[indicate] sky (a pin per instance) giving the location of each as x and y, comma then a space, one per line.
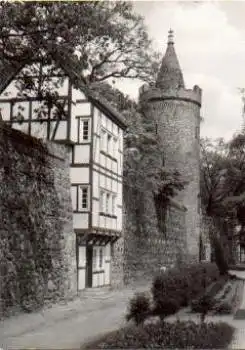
210, 44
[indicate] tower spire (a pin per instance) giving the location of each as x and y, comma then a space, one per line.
170, 76
170, 36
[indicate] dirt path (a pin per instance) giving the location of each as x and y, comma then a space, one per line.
79, 321
68, 326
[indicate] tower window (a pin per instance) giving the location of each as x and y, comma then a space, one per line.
197, 132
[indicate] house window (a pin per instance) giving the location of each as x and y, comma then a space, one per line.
94, 258
109, 144
102, 195
107, 203
84, 130
103, 140
84, 198
101, 258
114, 147
113, 204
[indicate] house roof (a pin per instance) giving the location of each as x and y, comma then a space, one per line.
9, 70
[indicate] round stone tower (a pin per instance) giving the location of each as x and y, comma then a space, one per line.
173, 112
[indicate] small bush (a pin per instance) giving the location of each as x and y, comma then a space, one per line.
139, 308
227, 302
180, 335
183, 284
210, 292
166, 307
223, 309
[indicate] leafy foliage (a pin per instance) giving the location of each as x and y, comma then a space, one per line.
222, 191
107, 39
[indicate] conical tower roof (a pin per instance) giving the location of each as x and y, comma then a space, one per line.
170, 76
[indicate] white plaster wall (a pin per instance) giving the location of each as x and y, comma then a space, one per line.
81, 153
95, 213
96, 184
80, 220
79, 175
22, 127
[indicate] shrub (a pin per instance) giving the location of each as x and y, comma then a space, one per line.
204, 305
210, 292
182, 284
227, 302
166, 307
139, 308
180, 335
223, 308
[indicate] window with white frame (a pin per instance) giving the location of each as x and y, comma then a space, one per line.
83, 198
84, 130
113, 204
107, 202
107, 207
102, 201
109, 144
94, 259
114, 147
103, 140
100, 258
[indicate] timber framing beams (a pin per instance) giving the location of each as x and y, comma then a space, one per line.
96, 238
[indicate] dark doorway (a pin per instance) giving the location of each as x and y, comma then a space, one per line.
89, 266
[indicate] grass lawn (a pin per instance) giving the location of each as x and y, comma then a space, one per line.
167, 335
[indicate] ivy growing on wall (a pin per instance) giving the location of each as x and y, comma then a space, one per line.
30, 233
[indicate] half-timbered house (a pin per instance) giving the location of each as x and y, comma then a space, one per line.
54, 103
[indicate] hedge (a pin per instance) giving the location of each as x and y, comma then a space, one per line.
179, 335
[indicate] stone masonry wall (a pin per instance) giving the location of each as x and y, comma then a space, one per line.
178, 124
146, 253
117, 263
37, 245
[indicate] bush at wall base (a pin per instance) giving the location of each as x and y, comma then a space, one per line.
182, 285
